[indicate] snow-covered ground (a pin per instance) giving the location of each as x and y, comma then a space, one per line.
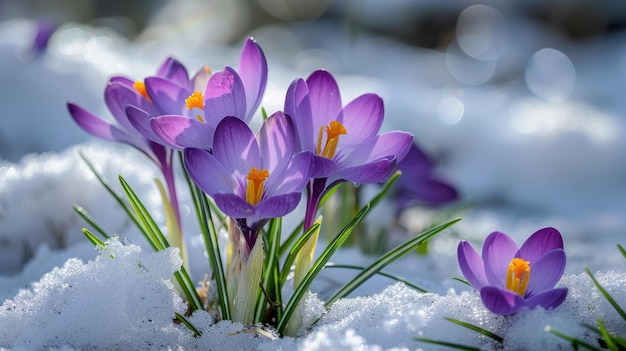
529, 126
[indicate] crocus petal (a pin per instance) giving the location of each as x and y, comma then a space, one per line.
373, 172
501, 301
92, 124
298, 107
542, 241
182, 132
324, 96
293, 178
168, 96
362, 118
253, 72
235, 146
548, 299
416, 162
498, 251
276, 138
546, 272
174, 71
277, 206
234, 206
381, 146
323, 167
117, 96
472, 266
208, 173
140, 120
430, 191
224, 96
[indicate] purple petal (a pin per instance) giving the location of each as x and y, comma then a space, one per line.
140, 120
298, 107
548, 299
234, 206
235, 146
276, 138
362, 118
224, 96
382, 146
323, 167
430, 191
91, 123
546, 272
182, 132
253, 72
472, 266
501, 301
542, 241
416, 162
498, 251
293, 178
174, 71
325, 97
277, 206
168, 96
373, 172
117, 96
208, 173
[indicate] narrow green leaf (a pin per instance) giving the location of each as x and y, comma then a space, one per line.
85, 215
390, 276
608, 340
448, 344
317, 266
462, 281
606, 295
388, 258
187, 324
574, 341
291, 257
93, 239
621, 249
271, 265
476, 329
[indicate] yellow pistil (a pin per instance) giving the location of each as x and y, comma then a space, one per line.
140, 87
517, 276
333, 130
207, 69
255, 187
195, 100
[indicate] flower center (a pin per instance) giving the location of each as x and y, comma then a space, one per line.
255, 186
333, 130
140, 87
517, 275
195, 100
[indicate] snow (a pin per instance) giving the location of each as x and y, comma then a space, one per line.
525, 152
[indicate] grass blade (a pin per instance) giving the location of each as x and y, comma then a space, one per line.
186, 323
85, 215
271, 266
294, 252
390, 276
476, 329
448, 344
574, 341
621, 249
317, 267
388, 258
93, 239
606, 295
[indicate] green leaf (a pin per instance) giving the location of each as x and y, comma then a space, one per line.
462, 281
574, 341
621, 249
85, 215
388, 258
187, 324
317, 266
606, 295
476, 329
448, 344
293, 253
271, 266
398, 279
93, 239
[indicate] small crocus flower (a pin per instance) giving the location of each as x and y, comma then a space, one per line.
419, 183
509, 278
251, 178
44, 30
192, 116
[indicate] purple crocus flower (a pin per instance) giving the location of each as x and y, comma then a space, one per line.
345, 140
419, 183
509, 278
251, 178
45, 29
189, 118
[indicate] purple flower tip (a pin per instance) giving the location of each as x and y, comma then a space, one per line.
510, 278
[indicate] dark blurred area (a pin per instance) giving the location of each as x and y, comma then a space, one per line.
428, 24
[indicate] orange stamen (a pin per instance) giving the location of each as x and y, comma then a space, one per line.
333, 130
255, 187
140, 87
195, 100
517, 275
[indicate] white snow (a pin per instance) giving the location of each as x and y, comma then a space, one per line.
522, 161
